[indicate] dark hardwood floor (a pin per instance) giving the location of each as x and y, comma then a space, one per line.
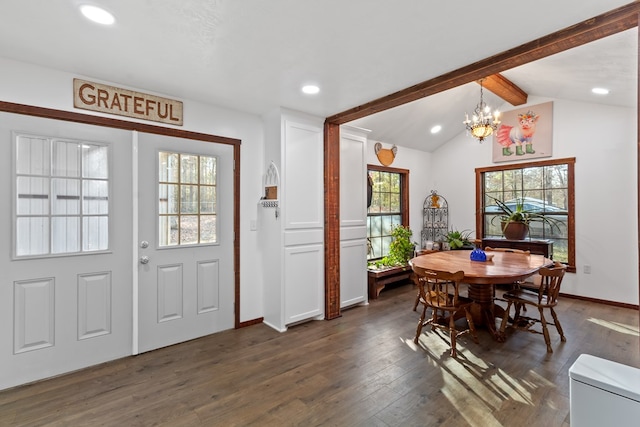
361, 369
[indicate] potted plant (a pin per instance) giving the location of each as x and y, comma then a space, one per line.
401, 249
459, 239
515, 220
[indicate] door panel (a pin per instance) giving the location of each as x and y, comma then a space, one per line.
185, 291
63, 313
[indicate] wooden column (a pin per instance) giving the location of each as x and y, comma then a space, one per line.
332, 220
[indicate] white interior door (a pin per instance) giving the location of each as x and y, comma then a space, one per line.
66, 260
185, 273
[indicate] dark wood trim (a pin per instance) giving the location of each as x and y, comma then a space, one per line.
404, 184
332, 220
638, 151
604, 25
602, 301
69, 116
571, 224
250, 323
236, 234
511, 166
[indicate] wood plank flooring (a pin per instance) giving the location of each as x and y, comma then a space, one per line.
361, 369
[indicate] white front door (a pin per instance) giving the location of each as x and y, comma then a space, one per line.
66, 258
185, 248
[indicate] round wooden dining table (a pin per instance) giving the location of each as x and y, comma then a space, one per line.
482, 276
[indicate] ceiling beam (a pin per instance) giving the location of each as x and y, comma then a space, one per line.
505, 89
601, 26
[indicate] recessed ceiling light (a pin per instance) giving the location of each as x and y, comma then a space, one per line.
97, 14
310, 89
436, 129
600, 91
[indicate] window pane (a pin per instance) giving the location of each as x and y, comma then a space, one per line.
33, 196
66, 159
208, 170
188, 169
376, 247
95, 161
493, 181
168, 230
556, 176
385, 202
66, 196
532, 178
32, 236
188, 229
208, 230
189, 199
386, 225
168, 167
95, 233
208, 200
95, 197
376, 226
168, 199
32, 156
395, 203
65, 234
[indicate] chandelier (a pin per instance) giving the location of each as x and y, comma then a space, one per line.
482, 122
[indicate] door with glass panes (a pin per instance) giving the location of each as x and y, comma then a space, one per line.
185, 270
66, 258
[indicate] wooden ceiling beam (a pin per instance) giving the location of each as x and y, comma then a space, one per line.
601, 26
505, 89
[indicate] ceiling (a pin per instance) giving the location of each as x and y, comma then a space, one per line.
254, 55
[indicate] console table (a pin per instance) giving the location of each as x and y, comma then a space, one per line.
536, 247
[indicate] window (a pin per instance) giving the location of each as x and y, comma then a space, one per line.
61, 196
187, 199
545, 187
389, 207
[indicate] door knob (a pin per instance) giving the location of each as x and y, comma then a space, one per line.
144, 244
144, 259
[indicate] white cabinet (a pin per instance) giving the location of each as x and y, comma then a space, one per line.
292, 233
353, 216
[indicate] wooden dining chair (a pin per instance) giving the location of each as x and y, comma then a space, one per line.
440, 291
546, 297
519, 284
414, 278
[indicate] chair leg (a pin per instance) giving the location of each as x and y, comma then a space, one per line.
453, 334
545, 331
420, 324
516, 315
505, 317
472, 327
558, 326
415, 304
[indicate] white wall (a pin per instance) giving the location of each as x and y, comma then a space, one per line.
419, 165
37, 86
603, 141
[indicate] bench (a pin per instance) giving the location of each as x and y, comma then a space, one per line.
378, 279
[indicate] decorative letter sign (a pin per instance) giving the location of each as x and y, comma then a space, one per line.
123, 102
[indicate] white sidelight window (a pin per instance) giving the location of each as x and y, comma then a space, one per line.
61, 203
187, 205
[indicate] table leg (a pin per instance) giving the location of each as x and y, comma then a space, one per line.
484, 310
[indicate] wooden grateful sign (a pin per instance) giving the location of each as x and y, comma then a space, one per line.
123, 102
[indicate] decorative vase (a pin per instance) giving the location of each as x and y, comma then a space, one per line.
515, 230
